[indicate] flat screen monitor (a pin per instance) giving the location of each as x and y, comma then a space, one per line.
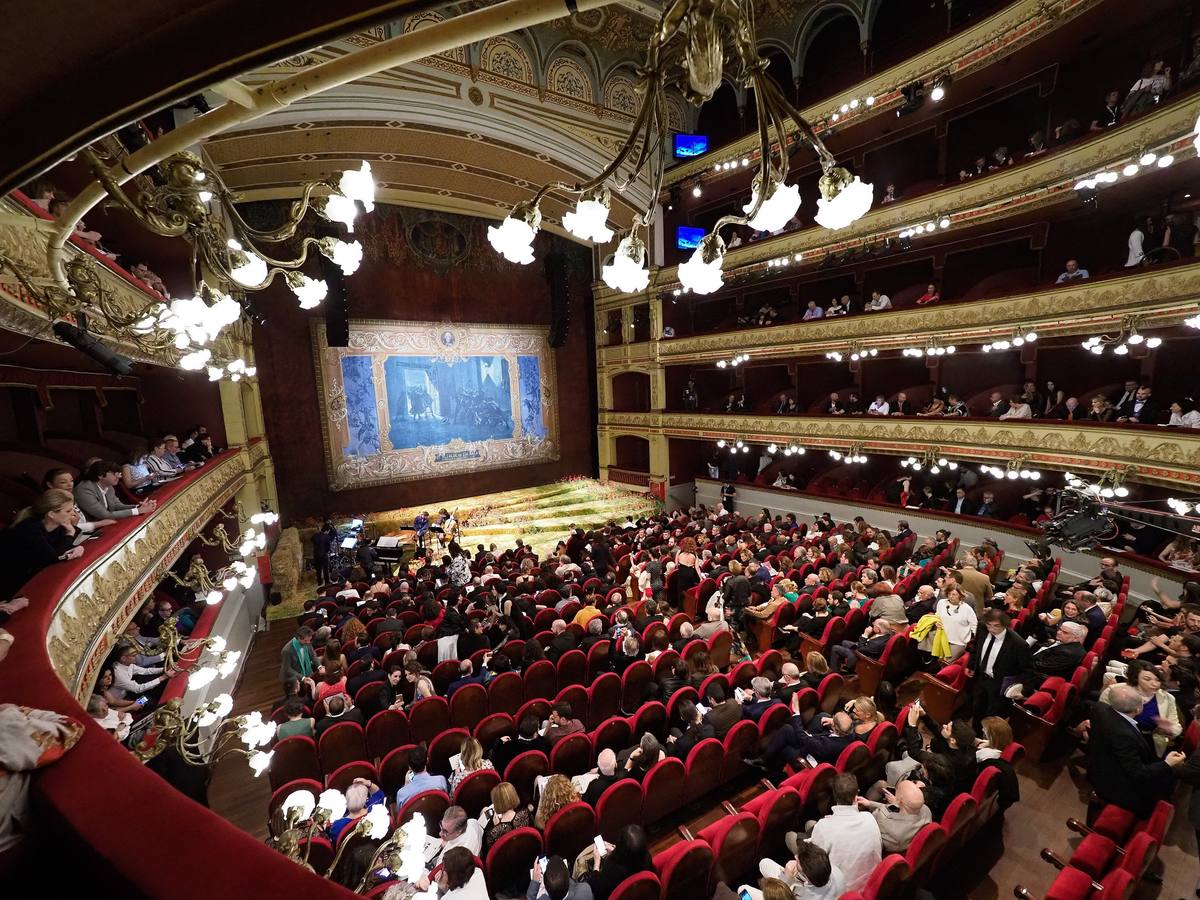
688, 238
690, 145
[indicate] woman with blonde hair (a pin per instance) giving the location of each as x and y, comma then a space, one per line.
46, 537
557, 793
816, 668
825, 574
997, 734
470, 759
504, 815
865, 715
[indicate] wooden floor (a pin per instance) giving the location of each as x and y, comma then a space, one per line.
990, 868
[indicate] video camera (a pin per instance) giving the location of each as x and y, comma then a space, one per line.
1082, 523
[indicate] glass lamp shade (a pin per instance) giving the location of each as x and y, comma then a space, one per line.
346, 256
196, 360
217, 644
702, 273
359, 184
379, 822
843, 199
333, 802
589, 219
214, 373
212, 598
342, 210
309, 291
777, 209
302, 803
513, 238
246, 268
627, 272
260, 762
199, 678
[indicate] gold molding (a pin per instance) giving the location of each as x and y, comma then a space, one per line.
92, 613
1168, 456
1163, 297
996, 37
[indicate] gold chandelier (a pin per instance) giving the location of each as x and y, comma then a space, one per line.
696, 44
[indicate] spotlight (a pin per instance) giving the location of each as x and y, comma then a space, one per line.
944, 222
89, 345
696, 192
914, 97
1153, 342
870, 101
1164, 161
1130, 170
1148, 158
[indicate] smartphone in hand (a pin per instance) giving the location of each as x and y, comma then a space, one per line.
598, 843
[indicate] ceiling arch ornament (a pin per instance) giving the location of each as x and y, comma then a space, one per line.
568, 77
1162, 457
505, 57
620, 93
816, 20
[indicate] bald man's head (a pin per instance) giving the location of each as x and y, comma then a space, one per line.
791, 672
909, 797
606, 762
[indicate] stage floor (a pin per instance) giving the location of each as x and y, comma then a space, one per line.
540, 516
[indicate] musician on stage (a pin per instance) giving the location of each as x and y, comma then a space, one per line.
421, 527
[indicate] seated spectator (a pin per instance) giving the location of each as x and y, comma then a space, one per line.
812, 311
1067, 131
935, 407
112, 721
297, 721
1072, 272
836, 308
466, 671
1154, 83
419, 778
1017, 408
1058, 657
96, 495
606, 776
834, 406
890, 195
1139, 408
339, 708
902, 406
871, 644
766, 315
997, 735
1037, 144
561, 723
555, 883
1001, 159
1101, 410
172, 455
360, 797
505, 814
460, 878
931, 295
808, 876
528, 738
735, 403
879, 406
61, 479
1110, 114
849, 835
692, 729
823, 739
160, 467
637, 761
955, 406
200, 450
901, 817
1136, 244
1184, 413
149, 278
420, 680
556, 793
468, 760
126, 671
629, 856
879, 302
46, 537
1159, 718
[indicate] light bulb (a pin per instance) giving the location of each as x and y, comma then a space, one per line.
870, 100
944, 222
937, 94
342, 210
1148, 158
777, 208
696, 192
301, 803
359, 184
1121, 491
1120, 350
309, 291
513, 238
1031, 336
346, 256
212, 598
721, 444
702, 273
198, 678
195, 361
1166, 160
214, 373
260, 762
1130, 170
627, 272
589, 218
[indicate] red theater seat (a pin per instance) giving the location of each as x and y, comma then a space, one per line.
703, 768
386, 731
685, 870
571, 755
511, 858
734, 841
342, 777
444, 746
618, 806
664, 790
432, 805
468, 706
294, 758
475, 791
393, 769
642, 886
634, 684
506, 693
427, 719
541, 681
572, 669
491, 728
604, 698
740, 742
570, 830
523, 771
777, 812
651, 718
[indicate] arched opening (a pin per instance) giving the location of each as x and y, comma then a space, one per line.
779, 70
631, 392
903, 29
833, 60
632, 453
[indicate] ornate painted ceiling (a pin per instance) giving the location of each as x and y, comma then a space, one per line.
471, 130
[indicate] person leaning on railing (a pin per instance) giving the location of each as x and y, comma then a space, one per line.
43, 539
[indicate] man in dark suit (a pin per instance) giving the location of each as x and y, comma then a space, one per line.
824, 739
338, 708
723, 712
562, 641
1138, 409
508, 749
999, 654
999, 406
1122, 766
987, 506
694, 729
759, 700
607, 776
1058, 657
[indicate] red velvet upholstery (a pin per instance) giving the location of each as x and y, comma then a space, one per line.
293, 757
922, 853
664, 790
642, 886
538, 708
342, 777
432, 805
393, 769
887, 879
511, 858
774, 718
684, 693
597, 660
685, 870
742, 674
570, 830
468, 706
475, 791
386, 731
619, 805
444, 746
614, 733
740, 742
604, 697
524, 770
634, 684
703, 768
719, 647
427, 719
340, 744
815, 787
734, 841
572, 668
651, 718
830, 691
777, 812
491, 728
572, 755
506, 693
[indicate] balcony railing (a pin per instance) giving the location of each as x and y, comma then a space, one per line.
1158, 455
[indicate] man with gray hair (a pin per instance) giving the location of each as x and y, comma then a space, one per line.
758, 700
457, 830
1122, 766
686, 633
360, 797
594, 635
789, 682
1060, 657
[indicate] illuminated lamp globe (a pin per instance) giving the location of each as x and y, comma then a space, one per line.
589, 218
247, 269
195, 361
844, 199
342, 210
346, 256
333, 802
627, 272
309, 291
513, 238
778, 206
359, 184
702, 273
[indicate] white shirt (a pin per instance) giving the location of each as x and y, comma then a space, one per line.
959, 621
990, 653
1190, 419
1018, 411
1136, 254
879, 408
471, 838
883, 301
474, 889
124, 683
852, 840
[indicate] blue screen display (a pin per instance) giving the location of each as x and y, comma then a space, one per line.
687, 238
689, 145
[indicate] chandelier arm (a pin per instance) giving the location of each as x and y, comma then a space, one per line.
173, 224
827, 159
337, 857
376, 858
282, 232
764, 171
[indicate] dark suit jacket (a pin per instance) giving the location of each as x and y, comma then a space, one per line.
1147, 415
506, 751
599, 785
1012, 660
754, 710
724, 717
1122, 767
683, 745
998, 410
1060, 660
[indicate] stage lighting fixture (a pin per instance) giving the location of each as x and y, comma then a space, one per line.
89, 345
914, 98
940, 85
